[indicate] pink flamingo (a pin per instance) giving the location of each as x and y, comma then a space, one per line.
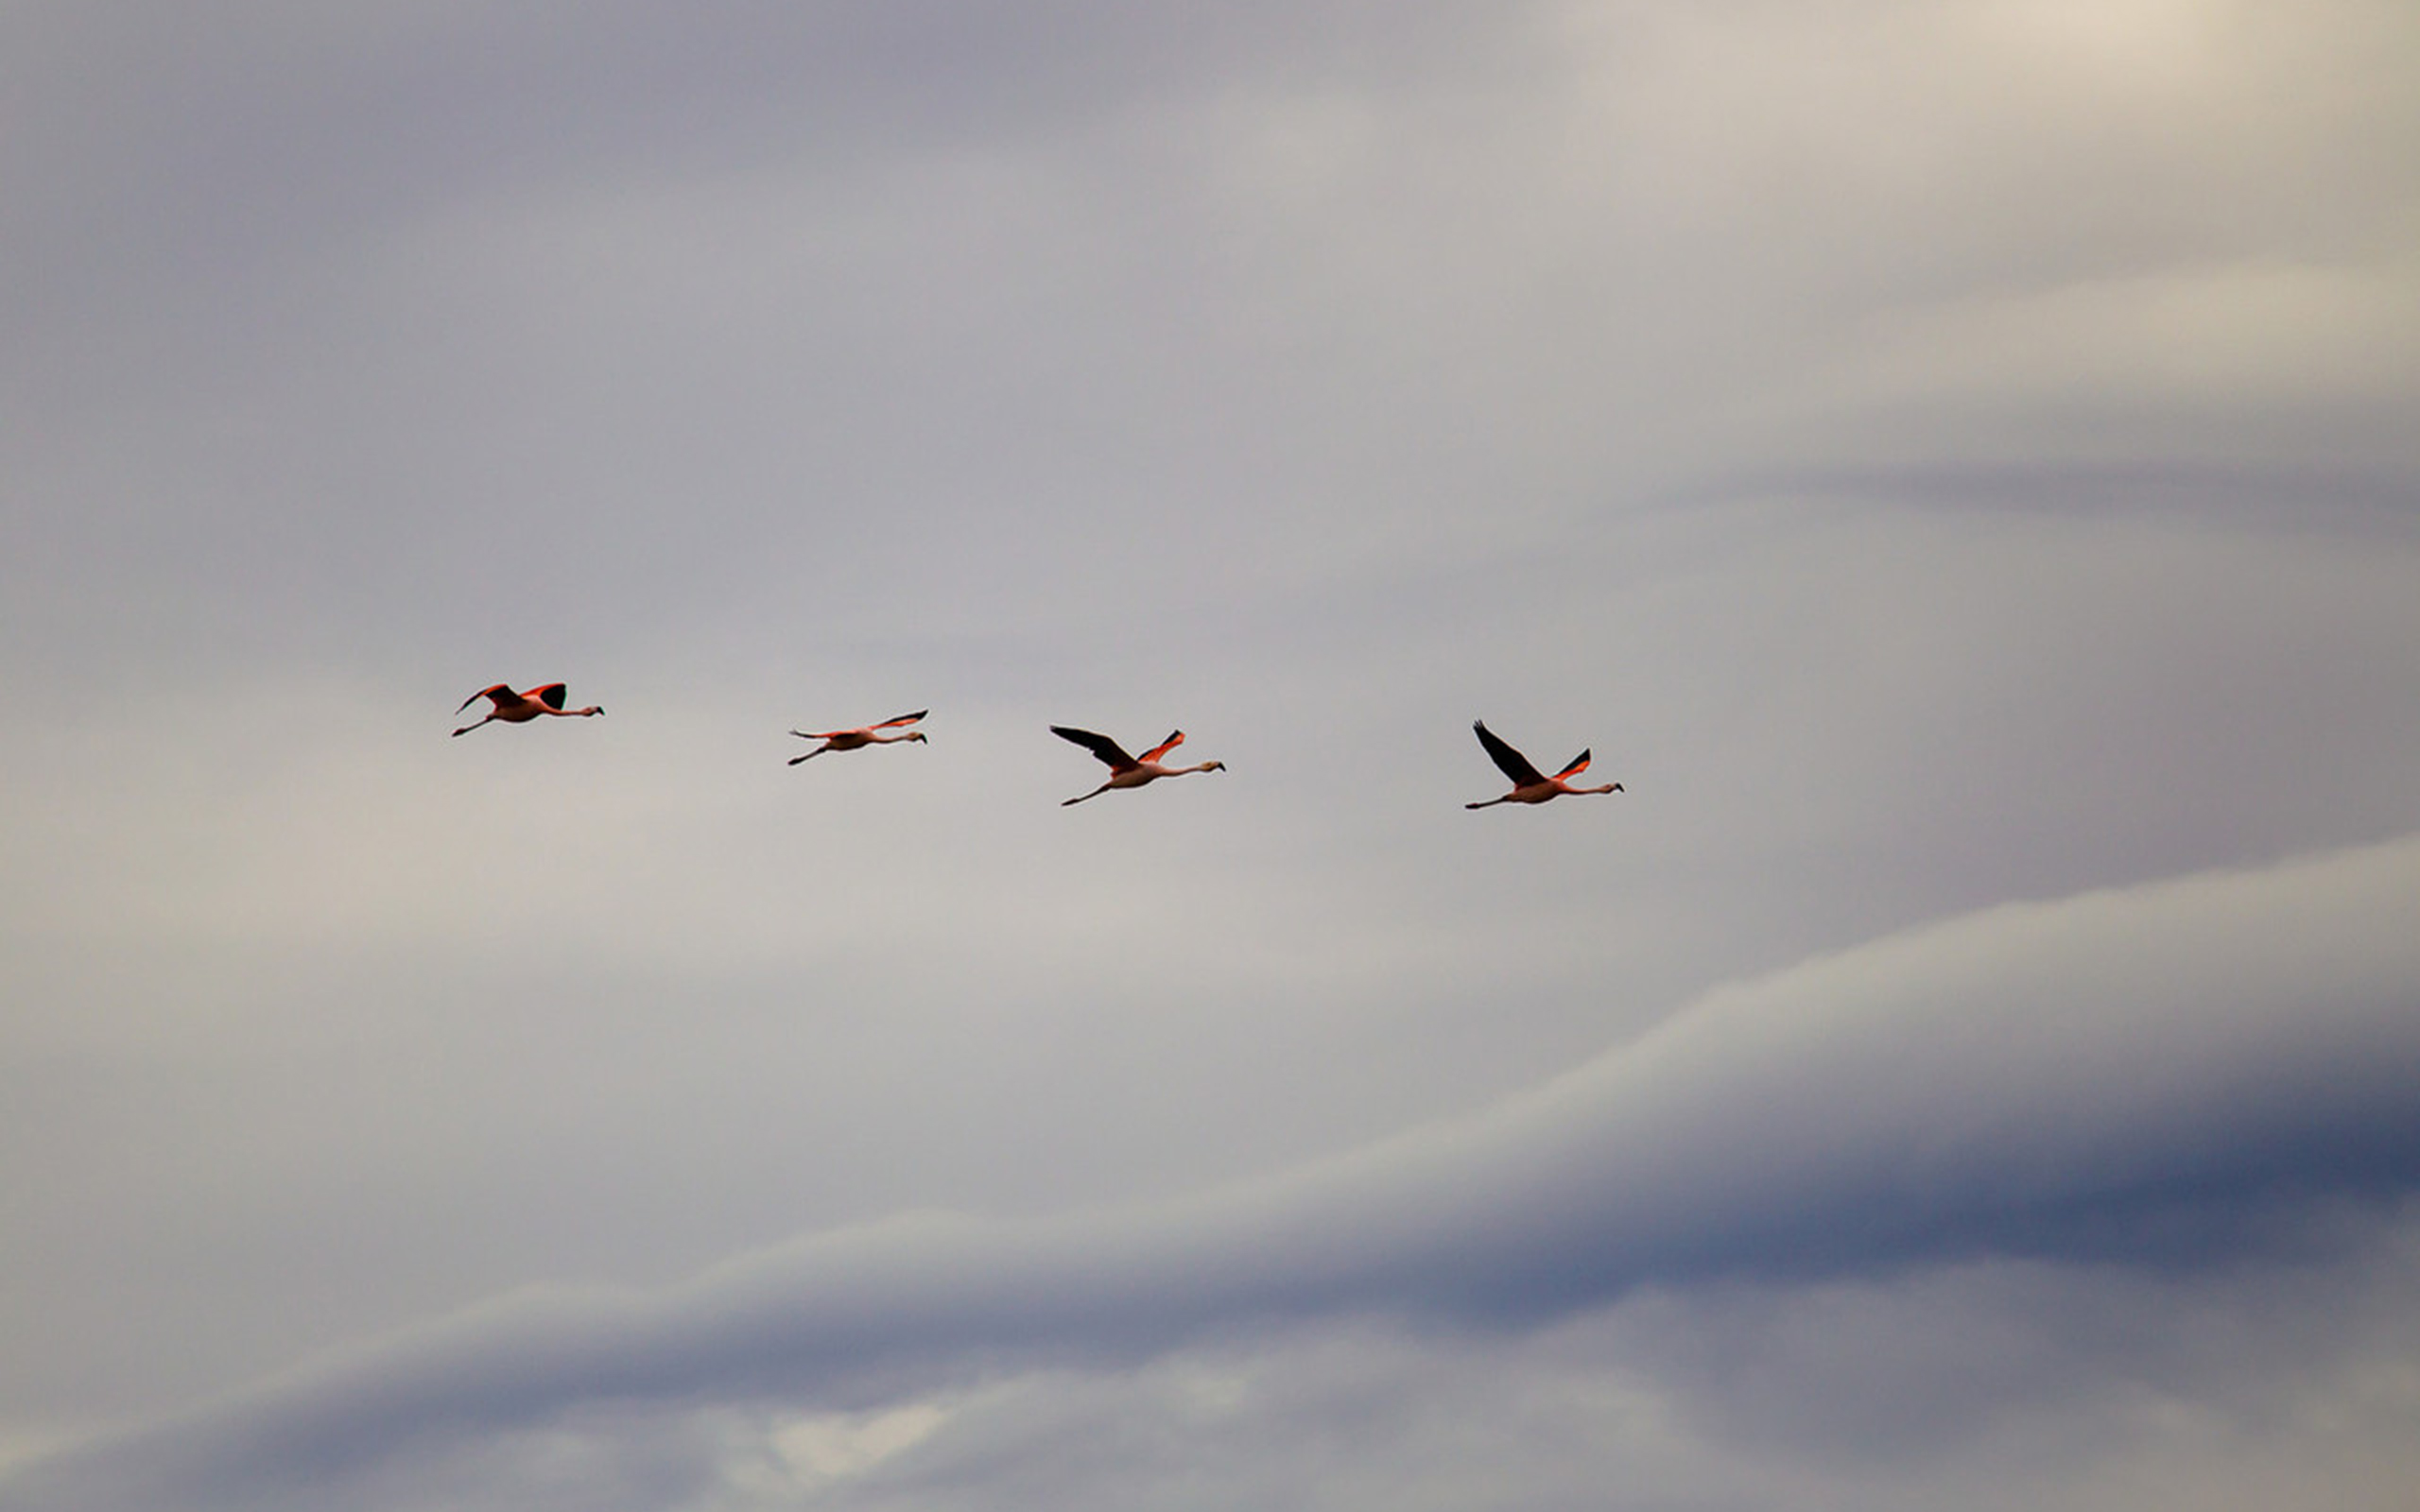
1129, 771
1529, 785
520, 708
861, 737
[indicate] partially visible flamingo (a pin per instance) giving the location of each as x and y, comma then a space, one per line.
520, 708
1529, 785
1129, 771
860, 736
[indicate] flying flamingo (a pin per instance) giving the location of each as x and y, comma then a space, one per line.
1129, 771
520, 708
1529, 785
862, 735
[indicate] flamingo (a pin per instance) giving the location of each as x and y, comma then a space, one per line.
1529, 785
1129, 771
520, 708
860, 736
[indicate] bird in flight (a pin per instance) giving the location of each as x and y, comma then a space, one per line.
1529, 785
860, 736
520, 708
1129, 771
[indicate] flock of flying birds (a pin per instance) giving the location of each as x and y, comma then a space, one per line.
1529, 785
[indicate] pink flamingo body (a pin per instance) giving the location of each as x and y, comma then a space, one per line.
860, 736
1529, 785
520, 708
1129, 771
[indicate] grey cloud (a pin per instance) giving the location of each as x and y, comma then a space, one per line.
1990, 1385
227, 143
508, 285
1936, 456
2163, 1075
1994, 1384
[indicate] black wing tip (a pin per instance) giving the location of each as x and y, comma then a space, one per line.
1508, 761
1102, 748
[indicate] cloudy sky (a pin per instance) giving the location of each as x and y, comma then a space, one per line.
1955, 465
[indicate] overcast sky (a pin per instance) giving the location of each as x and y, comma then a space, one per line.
1955, 465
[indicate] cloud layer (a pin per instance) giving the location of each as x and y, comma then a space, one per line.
2173, 1076
1937, 456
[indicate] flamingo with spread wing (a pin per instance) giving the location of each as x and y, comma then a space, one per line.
1129, 771
1529, 785
520, 708
859, 737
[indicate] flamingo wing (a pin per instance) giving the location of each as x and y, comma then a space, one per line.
903, 719
1579, 765
1508, 761
501, 695
1101, 746
1176, 738
551, 694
